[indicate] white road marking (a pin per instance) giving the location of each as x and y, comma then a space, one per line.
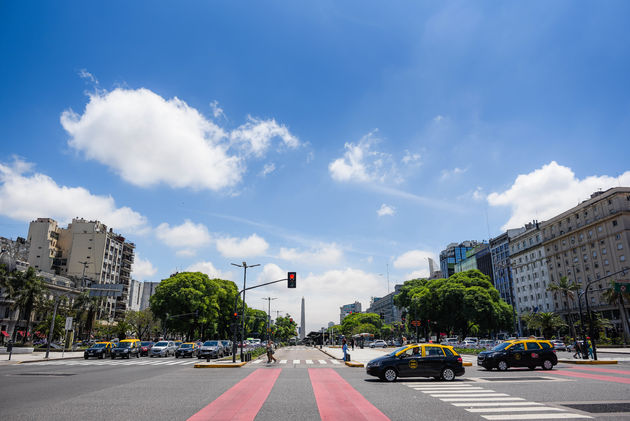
256, 362
335, 362
469, 395
495, 403
533, 416
322, 361
469, 390
309, 361
480, 399
296, 361
517, 409
283, 361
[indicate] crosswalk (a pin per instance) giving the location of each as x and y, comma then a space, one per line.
302, 362
142, 361
489, 404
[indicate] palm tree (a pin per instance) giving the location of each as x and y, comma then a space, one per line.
567, 289
88, 305
612, 296
28, 290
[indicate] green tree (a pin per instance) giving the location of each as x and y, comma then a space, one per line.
567, 289
255, 323
354, 323
59, 332
546, 322
286, 328
451, 304
27, 290
178, 298
85, 308
614, 297
142, 322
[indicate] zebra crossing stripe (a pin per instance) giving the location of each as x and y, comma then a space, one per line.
516, 409
472, 389
309, 361
496, 404
335, 362
322, 361
296, 361
283, 361
534, 416
469, 395
481, 399
256, 362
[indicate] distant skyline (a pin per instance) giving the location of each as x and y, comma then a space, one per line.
339, 141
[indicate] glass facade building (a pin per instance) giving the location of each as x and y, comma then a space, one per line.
453, 254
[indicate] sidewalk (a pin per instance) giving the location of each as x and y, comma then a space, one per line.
38, 356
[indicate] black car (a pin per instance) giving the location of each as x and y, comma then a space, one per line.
430, 360
529, 353
99, 350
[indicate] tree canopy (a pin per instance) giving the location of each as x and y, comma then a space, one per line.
361, 323
456, 303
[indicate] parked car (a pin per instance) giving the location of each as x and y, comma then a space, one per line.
487, 343
378, 344
162, 349
145, 348
99, 350
227, 347
451, 341
211, 349
126, 348
559, 345
187, 349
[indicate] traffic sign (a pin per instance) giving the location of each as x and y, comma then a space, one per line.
622, 286
68, 323
416, 322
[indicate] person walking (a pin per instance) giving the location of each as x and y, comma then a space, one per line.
344, 347
270, 352
352, 342
590, 347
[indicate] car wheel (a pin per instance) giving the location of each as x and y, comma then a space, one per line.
138, 355
547, 365
448, 374
176, 356
502, 366
85, 356
100, 357
390, 375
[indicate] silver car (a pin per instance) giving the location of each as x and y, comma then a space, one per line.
163, 349
211, 349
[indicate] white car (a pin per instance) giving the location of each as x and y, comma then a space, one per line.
378, 344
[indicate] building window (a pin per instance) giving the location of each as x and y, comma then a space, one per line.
615, 223
622, 258
619, 246
606, 262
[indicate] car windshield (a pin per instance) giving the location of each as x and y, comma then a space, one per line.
186, 346
161, 344
225, 342
99, 345
396, 351
501, 347
145, 343
124, 345
210, 343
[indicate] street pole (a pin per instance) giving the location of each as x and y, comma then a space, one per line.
244, 266
52, 327
269, 316
584, 350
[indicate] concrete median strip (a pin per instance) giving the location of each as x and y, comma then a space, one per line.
353, 364
220, 365
588, 362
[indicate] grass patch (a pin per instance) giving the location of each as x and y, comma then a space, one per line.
468, 351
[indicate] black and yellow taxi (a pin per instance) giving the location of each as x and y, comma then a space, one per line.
99, 350
530, 353
187, 349
127, 348
421, 360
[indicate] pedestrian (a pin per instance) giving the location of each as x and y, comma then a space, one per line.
590, 347
344, 347
576, 345
352, 342
270, 352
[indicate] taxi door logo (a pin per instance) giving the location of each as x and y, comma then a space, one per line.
413, 364
517, 356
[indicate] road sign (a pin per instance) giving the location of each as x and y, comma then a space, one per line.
68, 323
622, 286
106, 290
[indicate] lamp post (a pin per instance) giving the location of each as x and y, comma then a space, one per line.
244, 266
269, 316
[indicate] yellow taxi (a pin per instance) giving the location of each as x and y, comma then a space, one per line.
99, 350
127, 348
530, 353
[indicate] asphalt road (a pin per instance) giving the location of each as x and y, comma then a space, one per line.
174, 390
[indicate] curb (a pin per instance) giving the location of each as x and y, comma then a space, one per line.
49, 359
467, 364
217, 365
588, 362
352, 364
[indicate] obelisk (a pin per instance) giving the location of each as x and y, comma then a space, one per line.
303, 322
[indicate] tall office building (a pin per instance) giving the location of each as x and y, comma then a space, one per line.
501, 267
85, 250
453, 254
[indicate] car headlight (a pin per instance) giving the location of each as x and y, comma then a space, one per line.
126, 350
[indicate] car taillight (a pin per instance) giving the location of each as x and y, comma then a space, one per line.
459, 359
554, 351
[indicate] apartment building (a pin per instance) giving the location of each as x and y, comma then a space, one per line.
530, 272
349, 309
385, 305
590, 244
85, 250
501, 268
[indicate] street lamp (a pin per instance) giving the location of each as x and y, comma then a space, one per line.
269, 317
244, 266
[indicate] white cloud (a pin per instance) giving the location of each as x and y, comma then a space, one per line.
548, 191
411, 158
325, 254
142, 268
209, 269
438, 118
268, 169
84, 74
245, 247
216, 110
360, 163
187, 235
478, 194
386, 210
417, 274
186, 253
414, 259
254, 137
446, 174
149, 140
25, 196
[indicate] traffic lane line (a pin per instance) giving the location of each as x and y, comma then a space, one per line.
623, 380
243, 400
336, 399
601, 370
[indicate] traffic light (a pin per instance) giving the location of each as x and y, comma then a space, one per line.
235, 316
291, 280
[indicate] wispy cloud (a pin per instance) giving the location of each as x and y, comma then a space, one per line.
386, 210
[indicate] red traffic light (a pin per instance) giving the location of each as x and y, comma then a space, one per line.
291, 280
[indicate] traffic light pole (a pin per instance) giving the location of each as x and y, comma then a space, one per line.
234, 342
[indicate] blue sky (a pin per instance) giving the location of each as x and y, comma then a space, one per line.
338, 140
